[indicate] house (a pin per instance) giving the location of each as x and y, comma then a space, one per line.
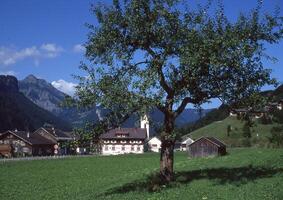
239, 112
27, 144
207, 146
181, 145
125, 140
185, 143
280, 105
154, 144
58, 136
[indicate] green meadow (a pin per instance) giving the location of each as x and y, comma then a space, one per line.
246, 173
259, 132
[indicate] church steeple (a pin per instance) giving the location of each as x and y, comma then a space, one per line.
145, 124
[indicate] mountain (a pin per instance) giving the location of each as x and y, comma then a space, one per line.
18, 112
47, 97
42, 93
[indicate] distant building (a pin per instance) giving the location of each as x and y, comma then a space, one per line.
27, 144
280, 105
207, 146
58, 136
154, 144
125, 140
185, 143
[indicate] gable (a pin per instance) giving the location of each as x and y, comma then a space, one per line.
203, 140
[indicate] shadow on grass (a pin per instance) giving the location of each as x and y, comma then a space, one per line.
236, 176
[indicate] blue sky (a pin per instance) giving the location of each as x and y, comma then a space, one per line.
44, 37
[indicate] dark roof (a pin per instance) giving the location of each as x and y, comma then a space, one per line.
58, 133
216, 141
33, 139
130, 133
211, 139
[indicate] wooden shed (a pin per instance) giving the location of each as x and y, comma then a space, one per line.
207, 146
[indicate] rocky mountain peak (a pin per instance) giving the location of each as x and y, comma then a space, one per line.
8, 84
31, 78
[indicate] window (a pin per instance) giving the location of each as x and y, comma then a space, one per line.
138, 148
132, 148
106, 148
123, 148
113, 148
154, 145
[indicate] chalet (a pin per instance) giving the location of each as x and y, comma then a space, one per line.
58, 136
207, 146
125, 140
26, 144
154, 144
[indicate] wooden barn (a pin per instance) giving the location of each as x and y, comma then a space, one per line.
207, 146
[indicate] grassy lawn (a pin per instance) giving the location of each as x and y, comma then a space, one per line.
243, 174
218, 129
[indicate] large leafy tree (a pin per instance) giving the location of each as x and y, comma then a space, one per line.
155, 53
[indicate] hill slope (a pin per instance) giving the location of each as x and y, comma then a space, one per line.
18, 112
218, 129
223, 111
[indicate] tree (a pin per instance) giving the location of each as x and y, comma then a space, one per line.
229, 129
247, 133
153, 53
277, 136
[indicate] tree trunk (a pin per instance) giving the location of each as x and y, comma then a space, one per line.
167, 150
167, 160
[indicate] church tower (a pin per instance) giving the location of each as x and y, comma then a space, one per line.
145, 124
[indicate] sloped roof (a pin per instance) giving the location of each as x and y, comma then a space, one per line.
58, 133
211, 139
130, 133
33, 139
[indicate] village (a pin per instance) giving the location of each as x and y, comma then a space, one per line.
141, 100
49, 141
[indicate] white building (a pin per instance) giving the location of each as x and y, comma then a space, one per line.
125, 140
154, 144
185, 144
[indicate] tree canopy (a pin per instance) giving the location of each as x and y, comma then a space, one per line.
156, 53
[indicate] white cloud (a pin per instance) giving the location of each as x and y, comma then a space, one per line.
12, 55
51, 50
64, 86
78, 48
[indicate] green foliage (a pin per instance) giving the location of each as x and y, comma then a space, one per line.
277, 136
247, 133
243, 174
229, 129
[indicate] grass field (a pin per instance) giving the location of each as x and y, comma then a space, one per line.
218, 129
242, 174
